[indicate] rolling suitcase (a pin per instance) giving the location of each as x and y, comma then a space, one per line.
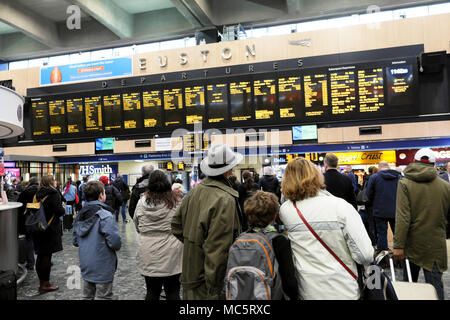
412, 290
8, 285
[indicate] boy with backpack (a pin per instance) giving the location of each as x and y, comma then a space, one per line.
96, 234
260, 264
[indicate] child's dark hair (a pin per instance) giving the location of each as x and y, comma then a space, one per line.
92, 190
261, 209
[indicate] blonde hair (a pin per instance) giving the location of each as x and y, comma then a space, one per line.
302, 179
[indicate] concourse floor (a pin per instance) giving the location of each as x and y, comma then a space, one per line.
128, 283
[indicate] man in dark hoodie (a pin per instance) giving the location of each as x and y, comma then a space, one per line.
423, 210
26, 196
269, 182
381, 192
139, 188
96, 234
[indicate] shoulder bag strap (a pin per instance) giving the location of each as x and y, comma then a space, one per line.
324, 244
42, 203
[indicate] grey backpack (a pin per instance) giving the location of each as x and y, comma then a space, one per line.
252, 270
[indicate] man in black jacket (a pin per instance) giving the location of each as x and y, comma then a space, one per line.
139, 188
26, 196
338, 184
124, 190
269, 182
113, 196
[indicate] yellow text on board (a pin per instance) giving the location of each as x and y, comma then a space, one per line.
366, 157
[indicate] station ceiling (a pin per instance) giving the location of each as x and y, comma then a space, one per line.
37, 28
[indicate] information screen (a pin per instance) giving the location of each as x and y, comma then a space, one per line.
371, 90
343, 92
112, 112
195, 142
265, 96
316, 95
93, 112
57, 117
304, 132
240, 99
151, 103
132, 118
40, 118
289, 97
75, 115
173, 106
194, 98
217, 97
399, 85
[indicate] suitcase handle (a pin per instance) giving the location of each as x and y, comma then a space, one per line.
408, 268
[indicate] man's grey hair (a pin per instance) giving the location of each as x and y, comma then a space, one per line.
268, 170
331, 160
147, 169
383, 164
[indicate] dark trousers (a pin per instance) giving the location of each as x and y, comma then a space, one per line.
369, 224
433, 277
43, 267
30, 253
382, 232
171, 287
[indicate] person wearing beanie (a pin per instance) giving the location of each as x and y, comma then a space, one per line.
422, 212
113, 196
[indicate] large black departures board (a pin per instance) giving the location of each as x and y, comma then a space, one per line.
347, 92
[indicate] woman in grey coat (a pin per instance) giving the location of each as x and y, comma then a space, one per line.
159, 252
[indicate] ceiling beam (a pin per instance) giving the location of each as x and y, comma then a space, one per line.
110, 15
200, 11
187, 13
29, 23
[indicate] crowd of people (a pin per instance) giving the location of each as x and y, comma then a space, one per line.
184, 238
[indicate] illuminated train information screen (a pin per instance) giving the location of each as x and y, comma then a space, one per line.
173, 106
56, 110
265, 99
195, 104
112, 114
132, 118
363, 91
93, 113
75, 114
343, 92
152, 107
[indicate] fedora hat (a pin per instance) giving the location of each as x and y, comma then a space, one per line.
220, 159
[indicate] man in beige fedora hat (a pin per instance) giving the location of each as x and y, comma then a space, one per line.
207, 222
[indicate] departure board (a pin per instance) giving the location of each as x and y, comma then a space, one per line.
316, 95
289, 97
194, 98
240, 100
40, 118
217, 97
57, 114
152, 107
399, 85
195, 142
112, 112
132, 118
173, 106
265, 96
93, 113
74, 108
370, 90
343, 91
